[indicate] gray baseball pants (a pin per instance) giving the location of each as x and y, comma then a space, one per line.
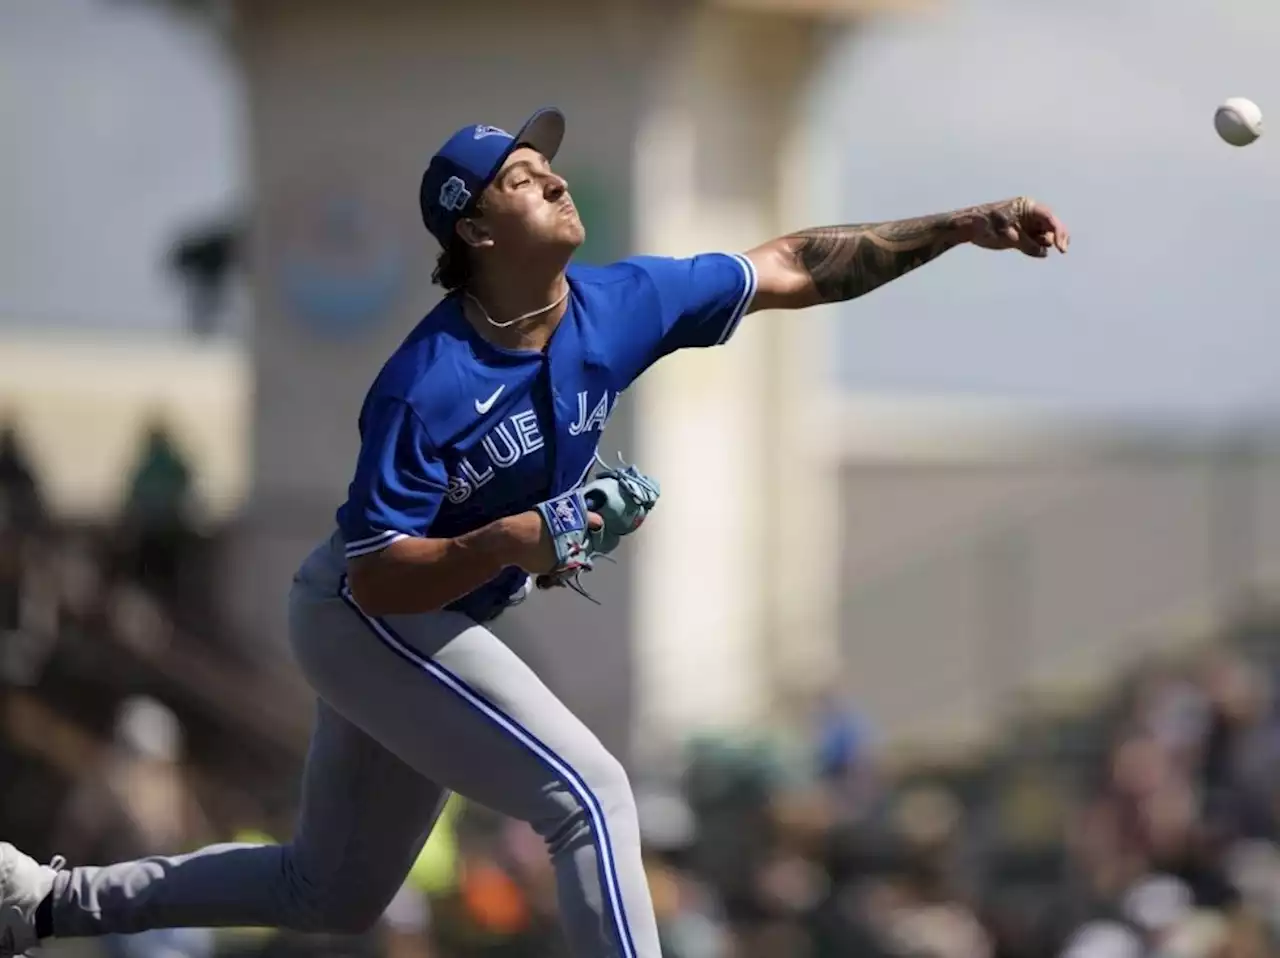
409, 708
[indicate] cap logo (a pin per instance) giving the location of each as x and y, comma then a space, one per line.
482, 131
454, 195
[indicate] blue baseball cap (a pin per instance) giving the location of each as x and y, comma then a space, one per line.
469, 162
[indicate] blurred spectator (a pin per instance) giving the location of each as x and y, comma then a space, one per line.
691, 921
846, 758
22, 507
929, 917
27, 600
11, 575
138, 802
1238, 772
157, 528
204, 260
29, 607
1105, 939
1157, 906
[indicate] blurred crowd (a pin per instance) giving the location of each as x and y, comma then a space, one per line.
1143, 823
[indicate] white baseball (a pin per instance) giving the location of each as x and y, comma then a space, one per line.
1238, 121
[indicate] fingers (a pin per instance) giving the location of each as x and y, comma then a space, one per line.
1049, 229
1030, 244
1054, 232
1053, 239
1038, 242
594, 521
1026, 226
1048, 240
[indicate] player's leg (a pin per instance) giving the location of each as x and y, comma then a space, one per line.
456, 703
364, 817
363, 820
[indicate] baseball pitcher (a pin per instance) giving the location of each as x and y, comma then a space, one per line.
477, 483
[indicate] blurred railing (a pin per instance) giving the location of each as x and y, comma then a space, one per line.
1149, 550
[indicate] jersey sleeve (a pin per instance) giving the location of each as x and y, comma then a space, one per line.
399, 481
685, 303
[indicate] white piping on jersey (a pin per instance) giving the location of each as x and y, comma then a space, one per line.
357, 543
374, 544
744, 301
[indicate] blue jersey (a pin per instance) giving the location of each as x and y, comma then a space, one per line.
457, 432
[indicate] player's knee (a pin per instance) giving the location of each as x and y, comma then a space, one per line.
610, 788
611, 784
339, 913
598, 787
354, 916
334, 907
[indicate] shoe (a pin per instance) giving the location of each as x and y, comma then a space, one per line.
24, 883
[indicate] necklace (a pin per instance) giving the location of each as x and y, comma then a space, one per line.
519, 319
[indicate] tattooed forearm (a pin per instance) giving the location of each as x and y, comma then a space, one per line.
845, 262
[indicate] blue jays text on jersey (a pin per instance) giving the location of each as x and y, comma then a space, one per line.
457, 432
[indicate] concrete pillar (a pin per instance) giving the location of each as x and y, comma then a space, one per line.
733, 589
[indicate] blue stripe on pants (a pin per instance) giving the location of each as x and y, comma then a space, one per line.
608, 870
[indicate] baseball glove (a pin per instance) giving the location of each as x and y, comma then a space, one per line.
622, 497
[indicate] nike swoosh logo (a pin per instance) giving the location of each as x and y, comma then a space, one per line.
484, 407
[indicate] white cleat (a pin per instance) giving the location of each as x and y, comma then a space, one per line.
24, 883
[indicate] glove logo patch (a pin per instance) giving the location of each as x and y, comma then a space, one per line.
566, 517
622, 497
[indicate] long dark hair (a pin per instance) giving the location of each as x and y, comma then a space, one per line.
453, 267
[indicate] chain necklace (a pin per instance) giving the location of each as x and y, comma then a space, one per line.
519, 319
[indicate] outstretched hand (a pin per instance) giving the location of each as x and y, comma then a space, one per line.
1021, 224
